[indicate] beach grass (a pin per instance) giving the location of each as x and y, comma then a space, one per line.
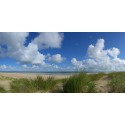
117, 83
33, 85
79, 83
5, 78
22, 86
97, 76
2, 90
45, 84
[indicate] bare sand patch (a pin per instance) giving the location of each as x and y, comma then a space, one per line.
5, 84
102, 84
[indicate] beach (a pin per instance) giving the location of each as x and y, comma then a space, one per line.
33, 75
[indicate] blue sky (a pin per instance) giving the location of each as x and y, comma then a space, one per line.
92, 51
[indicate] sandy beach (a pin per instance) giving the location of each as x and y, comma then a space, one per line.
31, 75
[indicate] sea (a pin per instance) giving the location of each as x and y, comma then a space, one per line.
43, 73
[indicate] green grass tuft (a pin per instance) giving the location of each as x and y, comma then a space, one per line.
78, 84
22, 86
30, 86
45, 85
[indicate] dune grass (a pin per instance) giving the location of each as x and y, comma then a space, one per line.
114, 74
117, 83
33, 85
95, 77
45, 84
5, 78
2, 90
80, 83
22, 86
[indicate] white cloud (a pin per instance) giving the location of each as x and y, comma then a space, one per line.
76, 63
48, 67
48, 40
57, 58
30, 54
12, 45
24, 66
114, 52
100, 59
6, 67
13, 39
3, 67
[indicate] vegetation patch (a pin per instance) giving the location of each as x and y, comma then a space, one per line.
95, 77
2, 90
80, 83
30, 86
117, 83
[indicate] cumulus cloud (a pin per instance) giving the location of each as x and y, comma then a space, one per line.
48, 40
76, 63
57, 58
13, 40
3, 67
6, 67
48, 67
100, 59
15, 48
12, 44
30, 54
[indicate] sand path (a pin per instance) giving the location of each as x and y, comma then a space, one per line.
102, 84
5, 84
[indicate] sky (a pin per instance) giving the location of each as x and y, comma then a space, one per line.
68, 51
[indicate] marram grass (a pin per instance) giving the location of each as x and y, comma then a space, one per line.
33, 85
80, 83
2, 90
117, 83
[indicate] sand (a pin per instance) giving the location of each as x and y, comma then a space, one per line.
31, 75
102, 84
